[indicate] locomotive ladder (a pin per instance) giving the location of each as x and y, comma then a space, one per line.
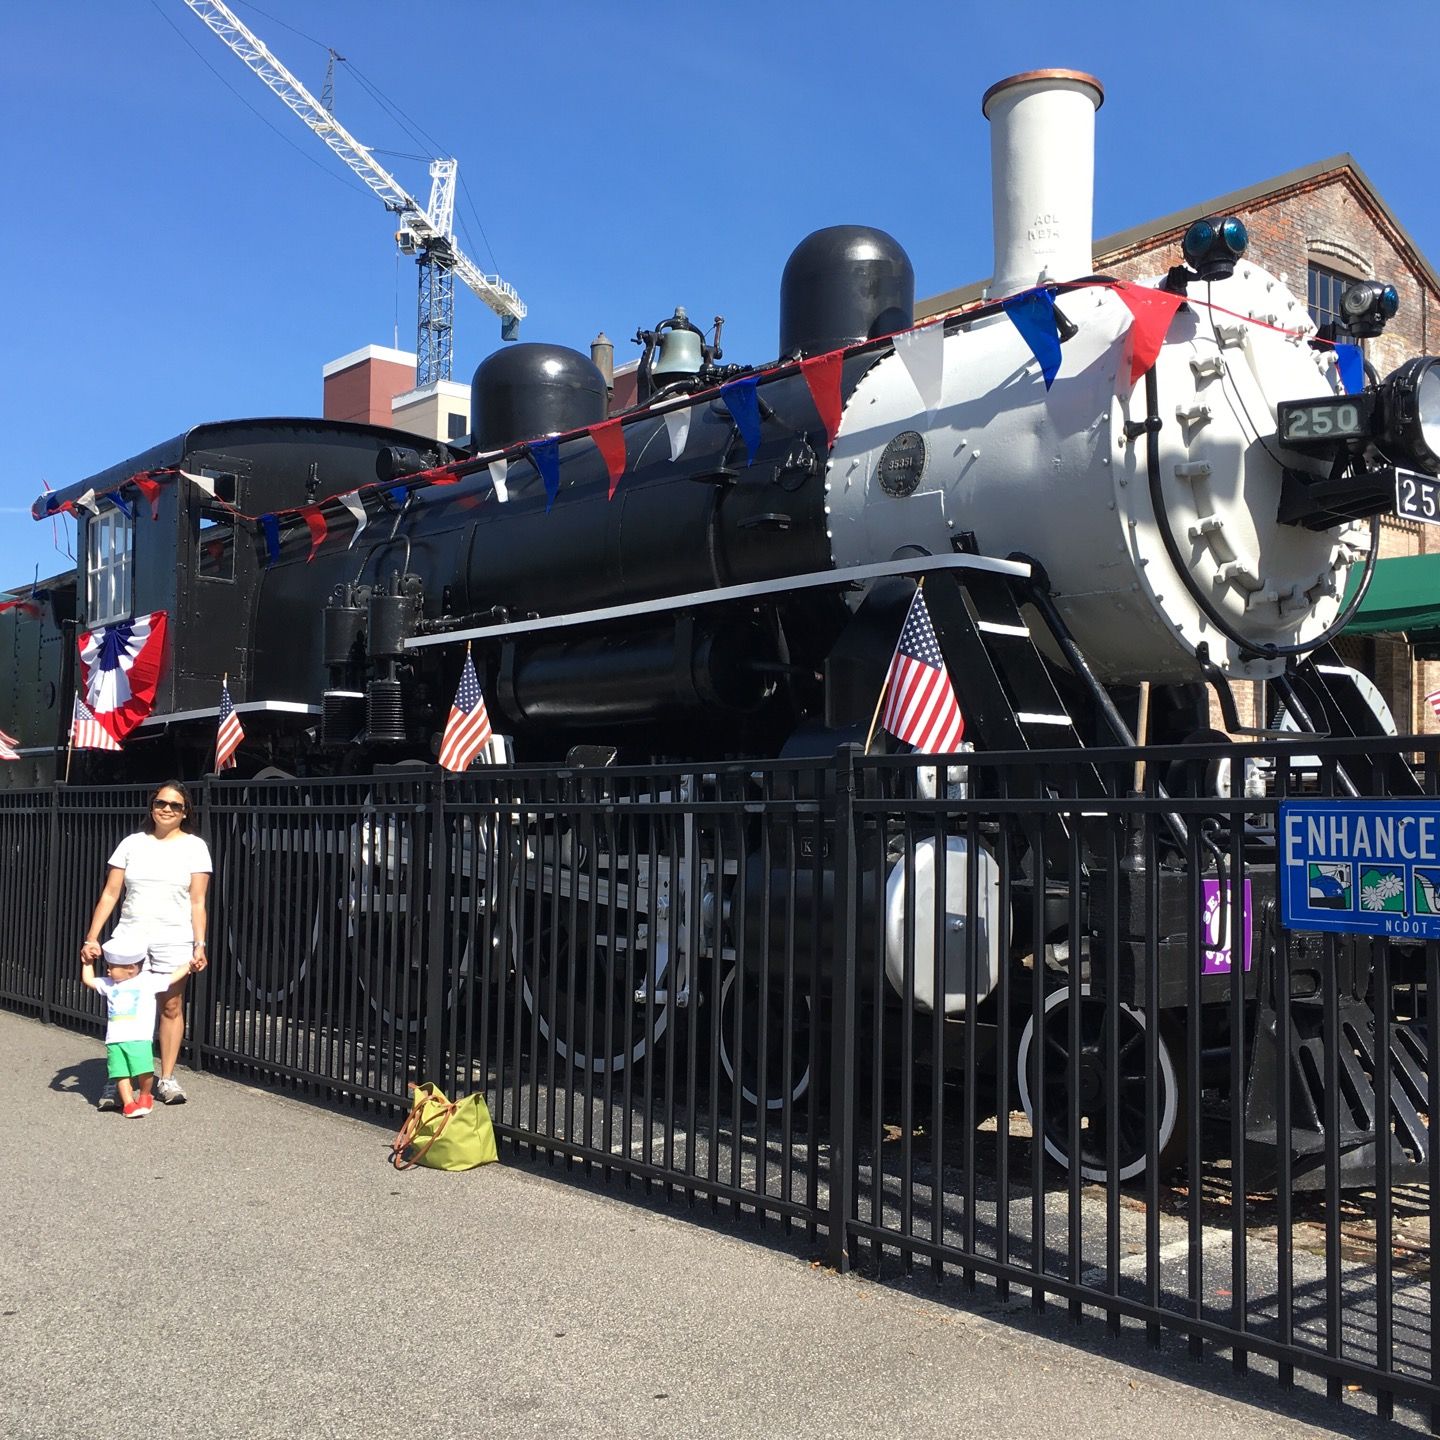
1007, 690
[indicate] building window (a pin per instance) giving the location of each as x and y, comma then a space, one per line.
456, 426
1325, 289
109, 554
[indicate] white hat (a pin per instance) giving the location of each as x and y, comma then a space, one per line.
122, 954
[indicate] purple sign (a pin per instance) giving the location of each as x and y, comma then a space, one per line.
1217, 928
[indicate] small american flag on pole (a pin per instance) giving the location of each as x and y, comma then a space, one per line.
7, 747
229, 733
1433, 701
921, 708
86, 732
467, 731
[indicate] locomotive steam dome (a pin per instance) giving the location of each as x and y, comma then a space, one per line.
533, 389
842, 285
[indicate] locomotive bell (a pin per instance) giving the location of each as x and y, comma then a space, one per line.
681, 350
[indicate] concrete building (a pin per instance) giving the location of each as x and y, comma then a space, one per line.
1321, 228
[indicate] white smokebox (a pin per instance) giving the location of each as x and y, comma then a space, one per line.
1042, 176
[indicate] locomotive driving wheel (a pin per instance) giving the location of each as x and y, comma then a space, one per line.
1080, 1079
765, 1069
586, 984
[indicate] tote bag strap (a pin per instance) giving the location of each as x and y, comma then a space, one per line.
413, 1121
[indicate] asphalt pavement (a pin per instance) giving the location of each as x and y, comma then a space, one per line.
249, 1265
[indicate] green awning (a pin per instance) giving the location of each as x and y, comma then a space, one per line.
1404, 597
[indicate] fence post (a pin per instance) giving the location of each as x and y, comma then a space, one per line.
433, 1021
201, 1020
52, 903
842, 1017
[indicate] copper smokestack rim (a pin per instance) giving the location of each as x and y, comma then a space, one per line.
1027, 75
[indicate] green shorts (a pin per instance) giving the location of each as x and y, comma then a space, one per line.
127, 1058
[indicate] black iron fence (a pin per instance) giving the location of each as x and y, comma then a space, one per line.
1028, 1019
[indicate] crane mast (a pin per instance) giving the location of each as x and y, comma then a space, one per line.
425, 232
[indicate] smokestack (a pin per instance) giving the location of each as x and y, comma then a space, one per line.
1042, 176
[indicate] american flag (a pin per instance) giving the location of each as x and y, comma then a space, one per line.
921, 708
229, 734
467, 731
7, 747
87, 733
1433, 701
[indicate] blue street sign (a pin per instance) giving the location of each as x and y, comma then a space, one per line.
1368, 867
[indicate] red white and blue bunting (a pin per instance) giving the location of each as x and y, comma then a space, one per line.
920, 351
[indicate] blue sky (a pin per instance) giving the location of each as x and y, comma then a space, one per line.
179, 248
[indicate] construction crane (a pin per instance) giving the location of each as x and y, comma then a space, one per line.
426, 233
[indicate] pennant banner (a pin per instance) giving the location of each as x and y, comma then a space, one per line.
202, 482
270, 524
677, 424
356, 506
743, 403
315, 523
822, 374
546, 455
1151, 312
922, 353
150, 489
1033, 315
1352, 367
609, 438
498, 469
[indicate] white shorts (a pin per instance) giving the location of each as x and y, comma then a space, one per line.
158, 956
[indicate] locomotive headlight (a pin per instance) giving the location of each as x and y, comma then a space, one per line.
1367, 305
1410, 411
1212, 246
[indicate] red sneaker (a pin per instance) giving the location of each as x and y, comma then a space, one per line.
135, 1111
146, 1101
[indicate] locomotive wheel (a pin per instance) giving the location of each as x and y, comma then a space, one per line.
582, 991
1093, 1083
273, 947
769, 1076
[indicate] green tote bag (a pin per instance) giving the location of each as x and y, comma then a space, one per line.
444, 1134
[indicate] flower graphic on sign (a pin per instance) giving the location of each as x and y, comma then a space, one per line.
1382, 890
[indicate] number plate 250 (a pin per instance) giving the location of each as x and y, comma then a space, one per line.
1417, 497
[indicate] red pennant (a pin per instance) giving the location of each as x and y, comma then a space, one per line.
822, 375
1153, 310
440, 476
609, 439
23, 606
150, 489
315, 523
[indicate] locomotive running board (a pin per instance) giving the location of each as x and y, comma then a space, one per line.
856, 575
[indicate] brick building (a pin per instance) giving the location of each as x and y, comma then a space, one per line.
1320, 228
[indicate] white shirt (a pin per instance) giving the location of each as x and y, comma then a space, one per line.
157, 884
131, 1005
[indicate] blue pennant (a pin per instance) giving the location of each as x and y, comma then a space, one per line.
270, 524
399, 494
1033, 315
546, 455
1352, 367
744, 406
121, 504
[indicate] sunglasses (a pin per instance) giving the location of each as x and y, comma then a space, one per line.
167, 805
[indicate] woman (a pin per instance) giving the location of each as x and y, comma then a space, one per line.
164, 872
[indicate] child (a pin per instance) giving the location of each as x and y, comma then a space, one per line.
130, 996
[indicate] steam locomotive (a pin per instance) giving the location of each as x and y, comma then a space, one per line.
1085, 532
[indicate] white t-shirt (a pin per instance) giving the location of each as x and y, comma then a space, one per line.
131, 1005
157, 884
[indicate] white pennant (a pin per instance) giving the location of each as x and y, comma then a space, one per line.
356, 506
204, 482
497, 470
677, 422
922, 353
86, 502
